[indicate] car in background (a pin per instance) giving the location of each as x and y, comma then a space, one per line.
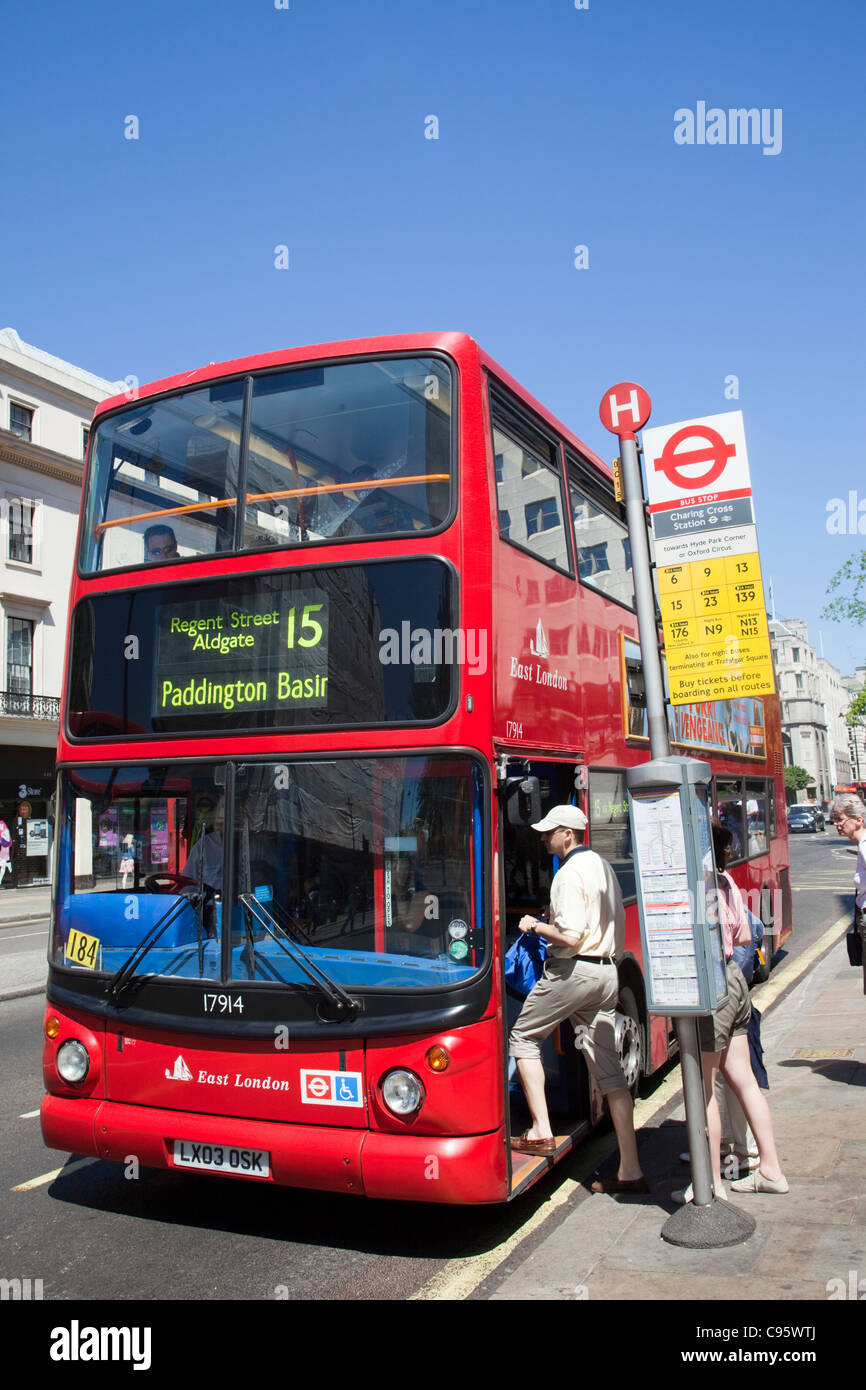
802, 818
820, 819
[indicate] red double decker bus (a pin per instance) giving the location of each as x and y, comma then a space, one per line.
342, 617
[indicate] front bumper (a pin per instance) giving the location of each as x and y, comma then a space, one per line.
419, 1168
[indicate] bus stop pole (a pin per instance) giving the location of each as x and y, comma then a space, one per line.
687, 1032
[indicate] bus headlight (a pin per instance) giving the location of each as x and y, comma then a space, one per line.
73, 1062
402, 1092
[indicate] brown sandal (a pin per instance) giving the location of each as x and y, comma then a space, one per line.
543, 1147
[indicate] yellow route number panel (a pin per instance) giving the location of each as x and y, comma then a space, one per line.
83, 950
715, 624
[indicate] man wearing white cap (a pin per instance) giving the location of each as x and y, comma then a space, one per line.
585, 934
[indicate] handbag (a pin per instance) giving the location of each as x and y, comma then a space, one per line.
854, 940
524, 963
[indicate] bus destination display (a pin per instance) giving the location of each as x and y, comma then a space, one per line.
286, 649
264, 652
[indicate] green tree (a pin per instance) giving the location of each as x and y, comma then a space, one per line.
848, 607
796, 778
857, 708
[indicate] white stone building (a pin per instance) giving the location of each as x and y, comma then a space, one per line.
835, 698
857, 732
804, 719
45, 410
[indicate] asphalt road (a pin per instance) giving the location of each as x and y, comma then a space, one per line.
92, 1233
20, 937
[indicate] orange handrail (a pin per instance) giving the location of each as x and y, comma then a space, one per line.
369, 484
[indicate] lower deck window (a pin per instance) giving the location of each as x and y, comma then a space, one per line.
371, 867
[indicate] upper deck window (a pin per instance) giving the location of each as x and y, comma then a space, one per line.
163, 480
603, 551
320, 454
348, 451
528, 488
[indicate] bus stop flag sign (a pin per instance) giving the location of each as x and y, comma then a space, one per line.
706, 549
625, 408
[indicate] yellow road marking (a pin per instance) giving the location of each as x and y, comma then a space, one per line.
56, 1173
463, 1276
767, 994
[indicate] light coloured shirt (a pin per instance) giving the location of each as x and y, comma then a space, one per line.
732, 914
860, 875
586, 906
213, 860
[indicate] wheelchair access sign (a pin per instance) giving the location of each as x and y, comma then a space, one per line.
332, 1088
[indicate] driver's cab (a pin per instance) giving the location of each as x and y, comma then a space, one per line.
139, 853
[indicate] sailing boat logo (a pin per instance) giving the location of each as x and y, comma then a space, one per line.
541, 646
180, 1072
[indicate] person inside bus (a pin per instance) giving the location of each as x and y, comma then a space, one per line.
205, 861
378, 458
160, 543
585, 934
373, 510
724, 1043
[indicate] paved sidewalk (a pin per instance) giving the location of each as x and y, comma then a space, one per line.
611, 1247
25, 971
24, 904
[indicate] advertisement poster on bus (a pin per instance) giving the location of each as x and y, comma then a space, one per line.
714, 726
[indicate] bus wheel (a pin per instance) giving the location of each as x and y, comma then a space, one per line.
629, 1038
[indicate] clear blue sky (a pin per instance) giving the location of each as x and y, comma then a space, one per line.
306, 127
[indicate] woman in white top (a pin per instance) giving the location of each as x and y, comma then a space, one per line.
849, 818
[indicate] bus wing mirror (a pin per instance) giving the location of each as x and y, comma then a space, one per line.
522, 800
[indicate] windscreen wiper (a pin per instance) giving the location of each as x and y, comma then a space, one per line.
343, 1004
122, 977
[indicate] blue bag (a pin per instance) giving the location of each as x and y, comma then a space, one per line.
524, 962
744, 956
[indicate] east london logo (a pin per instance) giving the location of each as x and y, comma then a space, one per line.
541, 646
736, 126
527, 671
181, 1072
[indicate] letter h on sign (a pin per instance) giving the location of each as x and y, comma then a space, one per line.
631, 405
